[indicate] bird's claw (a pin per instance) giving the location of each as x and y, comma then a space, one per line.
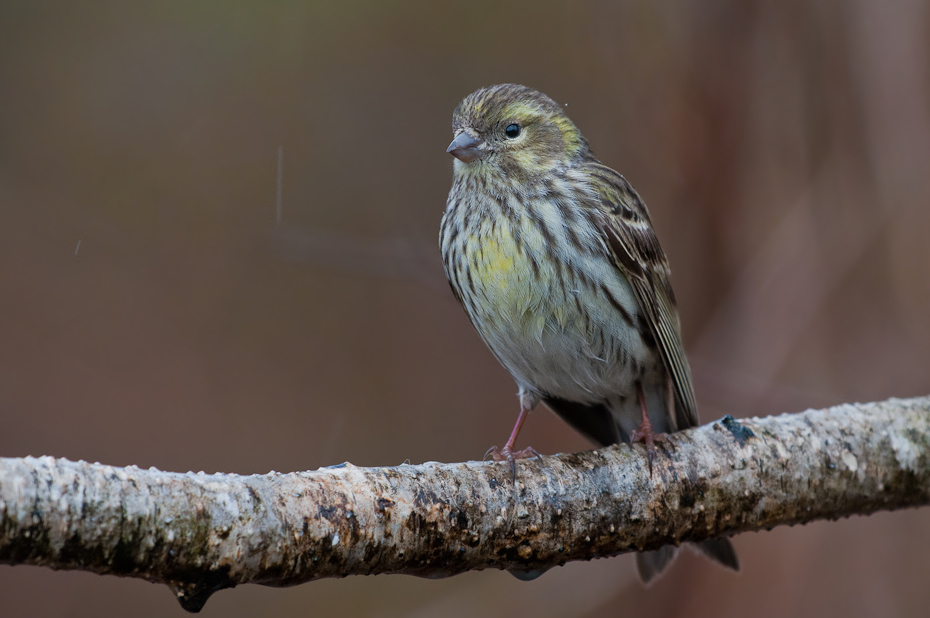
507, 454
645, 435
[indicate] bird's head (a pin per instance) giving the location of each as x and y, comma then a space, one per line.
513, 131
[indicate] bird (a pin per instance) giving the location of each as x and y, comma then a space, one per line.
553, 256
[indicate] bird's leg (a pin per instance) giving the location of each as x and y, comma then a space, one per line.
507, 453
644, 433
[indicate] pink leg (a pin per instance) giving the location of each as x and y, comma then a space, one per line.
644, 433
507, 453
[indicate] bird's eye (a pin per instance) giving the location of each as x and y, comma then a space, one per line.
512, 131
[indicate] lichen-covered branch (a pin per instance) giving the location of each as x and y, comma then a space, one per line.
199, 533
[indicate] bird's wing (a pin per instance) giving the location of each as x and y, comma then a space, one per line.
624, 223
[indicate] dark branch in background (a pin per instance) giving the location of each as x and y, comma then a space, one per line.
200, 533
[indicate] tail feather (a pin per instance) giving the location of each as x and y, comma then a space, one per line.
720, 551
650, 564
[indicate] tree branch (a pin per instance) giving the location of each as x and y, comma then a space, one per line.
201, 533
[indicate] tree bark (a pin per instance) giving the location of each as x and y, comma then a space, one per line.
200, 533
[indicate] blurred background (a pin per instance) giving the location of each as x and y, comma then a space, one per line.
155, 311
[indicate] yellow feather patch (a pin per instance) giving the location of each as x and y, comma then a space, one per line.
570, 134
494, 265
521, 110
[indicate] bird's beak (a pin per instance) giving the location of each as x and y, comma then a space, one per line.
465, 147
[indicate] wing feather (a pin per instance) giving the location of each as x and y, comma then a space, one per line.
623, 220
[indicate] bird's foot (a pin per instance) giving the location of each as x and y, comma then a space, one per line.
509, 455
649, 438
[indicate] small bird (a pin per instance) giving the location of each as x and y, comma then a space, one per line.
553, 257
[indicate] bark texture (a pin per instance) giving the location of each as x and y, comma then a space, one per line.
200, 533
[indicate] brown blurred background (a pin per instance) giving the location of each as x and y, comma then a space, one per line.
152, 312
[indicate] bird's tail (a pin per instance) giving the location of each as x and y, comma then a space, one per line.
651, 563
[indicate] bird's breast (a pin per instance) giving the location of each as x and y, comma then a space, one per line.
558, 316
506, 274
